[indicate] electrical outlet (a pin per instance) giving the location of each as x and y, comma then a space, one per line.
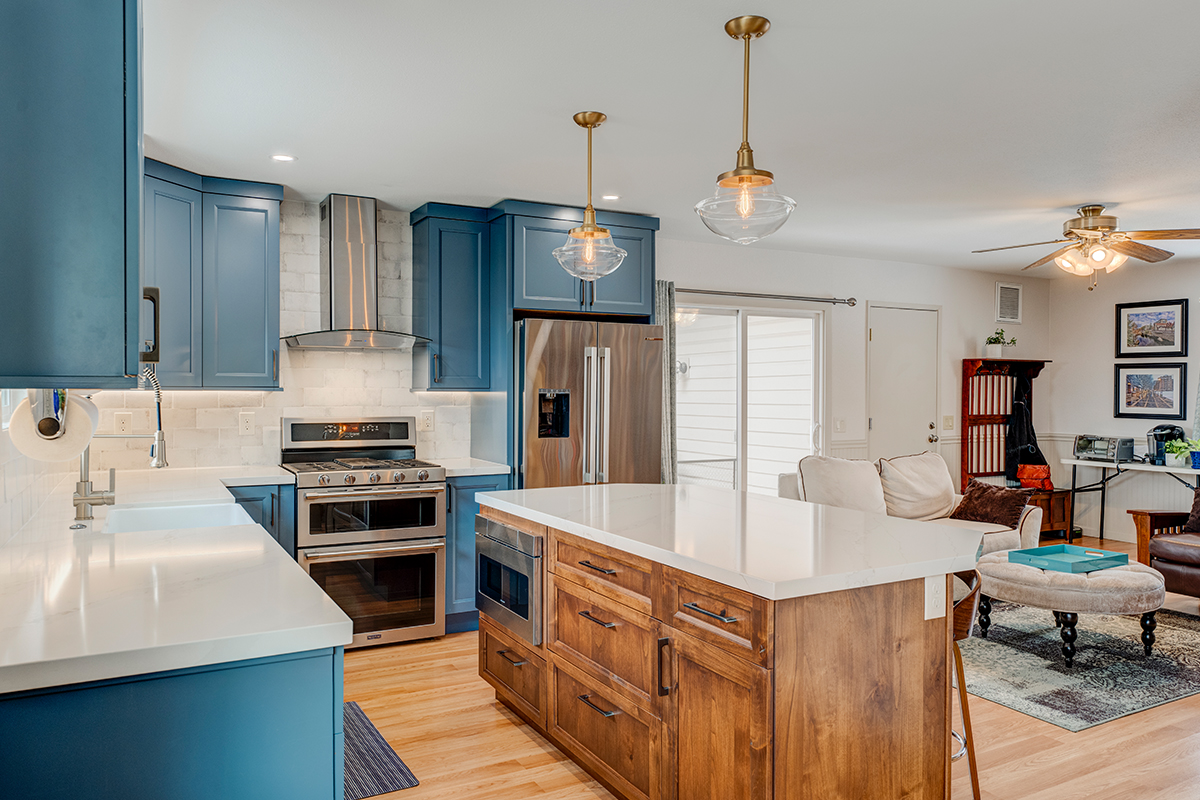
948, 422
839, 426
124, 421
246, 423
426, 421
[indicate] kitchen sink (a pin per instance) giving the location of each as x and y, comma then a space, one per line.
158, 518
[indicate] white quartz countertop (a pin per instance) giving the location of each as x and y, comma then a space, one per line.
77, 605
769, 546
464, 467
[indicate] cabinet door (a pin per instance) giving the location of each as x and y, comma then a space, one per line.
720, 712
539, 281
457, 286
629, 290
241, 292
272, 507
173, 264
70, 211
460, 534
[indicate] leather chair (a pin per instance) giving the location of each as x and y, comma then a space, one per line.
1163, 545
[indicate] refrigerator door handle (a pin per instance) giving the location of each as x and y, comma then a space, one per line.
603, 398
589, 414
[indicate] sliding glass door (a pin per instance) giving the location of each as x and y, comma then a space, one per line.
747, 394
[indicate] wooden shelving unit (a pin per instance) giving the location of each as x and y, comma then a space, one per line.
988, 386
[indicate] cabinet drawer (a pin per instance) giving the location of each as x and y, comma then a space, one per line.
606, 638
619, 576
513, 670
613, 738
729, 618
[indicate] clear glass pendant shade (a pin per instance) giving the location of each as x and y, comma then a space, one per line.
745, 213
589, 254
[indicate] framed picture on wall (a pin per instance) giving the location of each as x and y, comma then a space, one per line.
1150, 391
1152, 330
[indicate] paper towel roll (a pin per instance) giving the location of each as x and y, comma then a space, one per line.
81, 421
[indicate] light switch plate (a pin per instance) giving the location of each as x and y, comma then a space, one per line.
246, 423
948, 422
935, 596
839, 426
425, 421
123, 421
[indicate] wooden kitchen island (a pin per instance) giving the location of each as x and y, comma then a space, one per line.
708, 643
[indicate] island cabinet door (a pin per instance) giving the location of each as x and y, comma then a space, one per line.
718, 717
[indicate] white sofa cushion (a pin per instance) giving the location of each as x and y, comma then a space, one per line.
842, 482
917, 487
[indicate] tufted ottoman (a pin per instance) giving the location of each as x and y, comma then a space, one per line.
1132, 589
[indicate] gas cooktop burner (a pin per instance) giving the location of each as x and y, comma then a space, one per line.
361, 463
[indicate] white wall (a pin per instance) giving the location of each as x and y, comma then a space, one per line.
966, 297
24, 485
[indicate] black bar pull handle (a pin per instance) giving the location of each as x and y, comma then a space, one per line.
590, 565
587, 615
504, 654
663, 690
708, 613
598, 709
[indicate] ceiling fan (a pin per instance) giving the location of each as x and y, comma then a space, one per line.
1094, 243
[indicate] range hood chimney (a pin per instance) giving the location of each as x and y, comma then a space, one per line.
349, 282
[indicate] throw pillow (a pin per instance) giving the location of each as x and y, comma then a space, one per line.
1193, 523
842, 482
917, 487
983, 502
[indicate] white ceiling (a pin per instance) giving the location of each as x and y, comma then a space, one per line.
912, 131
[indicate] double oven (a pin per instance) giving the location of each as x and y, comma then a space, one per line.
371, 524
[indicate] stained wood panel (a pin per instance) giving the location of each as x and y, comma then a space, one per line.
747, 629
623, 577
513, 669
862, 695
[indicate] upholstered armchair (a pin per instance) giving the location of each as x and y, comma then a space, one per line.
1162, 544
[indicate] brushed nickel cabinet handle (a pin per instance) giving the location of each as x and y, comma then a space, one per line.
586, 615
598, 709
437, 368
275, 365
504, 654
590, 565
708, 613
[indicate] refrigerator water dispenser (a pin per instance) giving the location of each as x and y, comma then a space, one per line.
554, 414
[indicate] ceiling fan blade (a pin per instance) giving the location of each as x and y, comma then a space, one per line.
1015, 246
1141, 251
1052, 256
1182, 233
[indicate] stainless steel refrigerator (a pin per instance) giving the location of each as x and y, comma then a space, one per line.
590, 405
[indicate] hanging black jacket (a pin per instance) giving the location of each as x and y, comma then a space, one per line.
1021, 446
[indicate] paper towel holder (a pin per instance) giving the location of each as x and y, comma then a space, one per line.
49, 409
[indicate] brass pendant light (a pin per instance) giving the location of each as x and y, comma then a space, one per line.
589, 252
745, 207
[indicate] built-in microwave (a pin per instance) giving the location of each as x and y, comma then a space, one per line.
508, 578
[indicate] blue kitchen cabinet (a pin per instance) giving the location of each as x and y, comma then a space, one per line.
241, 292
173, 233
274, 508
462, 507
243, 730
629, 290
70, 212
451, 291
539, 281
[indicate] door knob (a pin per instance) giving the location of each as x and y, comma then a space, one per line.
933, 437
932, 426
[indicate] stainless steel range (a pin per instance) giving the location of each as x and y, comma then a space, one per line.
371, 523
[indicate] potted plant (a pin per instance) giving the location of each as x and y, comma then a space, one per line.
993, 346
1185, 451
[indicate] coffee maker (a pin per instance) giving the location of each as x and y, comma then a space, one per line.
1156, 438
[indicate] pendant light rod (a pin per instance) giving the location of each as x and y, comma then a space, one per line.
746, 95
589, 130
589, 120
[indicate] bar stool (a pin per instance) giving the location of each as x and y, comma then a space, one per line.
964, 620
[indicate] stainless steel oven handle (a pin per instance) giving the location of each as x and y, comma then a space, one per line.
346, 555
434, 489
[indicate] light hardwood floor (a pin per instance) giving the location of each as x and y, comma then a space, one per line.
429, 702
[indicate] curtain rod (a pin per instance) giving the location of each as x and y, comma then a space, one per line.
849, 301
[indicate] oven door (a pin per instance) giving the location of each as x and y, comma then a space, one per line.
352, 516
508, 587
392, 593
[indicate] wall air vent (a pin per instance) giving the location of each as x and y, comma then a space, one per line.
1008, 302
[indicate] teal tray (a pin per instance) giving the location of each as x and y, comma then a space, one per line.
1068, 558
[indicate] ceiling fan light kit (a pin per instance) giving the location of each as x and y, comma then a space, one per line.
589, 252
745, 207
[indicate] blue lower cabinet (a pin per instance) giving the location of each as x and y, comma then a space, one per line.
461, 614
266, 727
274, 508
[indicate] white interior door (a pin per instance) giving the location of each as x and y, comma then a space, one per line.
902, 355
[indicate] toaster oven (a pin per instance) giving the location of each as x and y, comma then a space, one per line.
1103, 448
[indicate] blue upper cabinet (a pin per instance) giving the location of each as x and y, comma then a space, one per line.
451, 290
70, 146
173, 264
532, 231
241, 292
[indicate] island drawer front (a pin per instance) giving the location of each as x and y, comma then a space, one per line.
613, 642
614, 739
736, 621
623, 577
513, 669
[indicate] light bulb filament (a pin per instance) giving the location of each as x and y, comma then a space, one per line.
745, 203
589, 251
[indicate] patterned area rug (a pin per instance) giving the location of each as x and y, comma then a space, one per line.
1020, 665
372, 766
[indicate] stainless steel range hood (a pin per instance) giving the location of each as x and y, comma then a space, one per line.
349, 282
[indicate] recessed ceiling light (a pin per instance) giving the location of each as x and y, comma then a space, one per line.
610, 197
282, 157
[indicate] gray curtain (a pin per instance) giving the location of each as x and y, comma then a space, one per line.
664, 314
